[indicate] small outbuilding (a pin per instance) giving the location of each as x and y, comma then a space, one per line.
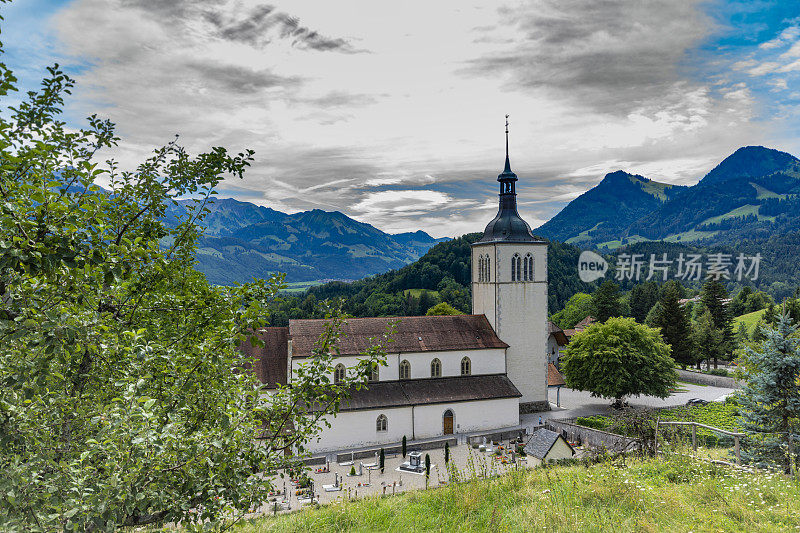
545, 445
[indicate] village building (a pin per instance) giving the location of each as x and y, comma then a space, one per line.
444, 374
545, 446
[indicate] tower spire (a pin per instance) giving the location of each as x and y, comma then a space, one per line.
507, 226
507, 177
508, 163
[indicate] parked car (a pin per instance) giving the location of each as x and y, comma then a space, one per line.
696, 401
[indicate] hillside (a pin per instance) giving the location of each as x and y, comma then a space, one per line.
754, 193
605, 211
242, 241
675, 494
446, 263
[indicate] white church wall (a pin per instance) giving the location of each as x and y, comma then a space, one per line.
484, 294
489, 361
485, 361
518, 312
357, 429
468, 416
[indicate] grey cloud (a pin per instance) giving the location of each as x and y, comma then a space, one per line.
255, 28
614, 55
241, 80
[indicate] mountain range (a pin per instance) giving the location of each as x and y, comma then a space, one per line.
242, 241
751, 197
753, 194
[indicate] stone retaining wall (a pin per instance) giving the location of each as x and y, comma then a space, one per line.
496, 436
707, 379
590, 437
396, 449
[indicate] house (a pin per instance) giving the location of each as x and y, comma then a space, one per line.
545, 446
580, 326
556, 342
445, 374
555, 381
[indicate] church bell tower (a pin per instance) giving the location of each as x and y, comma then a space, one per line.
509, 286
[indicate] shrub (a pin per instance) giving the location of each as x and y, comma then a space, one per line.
719, 372
594, 422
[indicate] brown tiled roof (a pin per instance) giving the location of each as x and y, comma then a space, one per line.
585, 323
385, 394
270, 359
580, 326
558, 333
554, 377
412, 334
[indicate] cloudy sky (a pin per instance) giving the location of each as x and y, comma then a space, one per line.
392, 112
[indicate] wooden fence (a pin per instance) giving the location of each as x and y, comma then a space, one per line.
694, 425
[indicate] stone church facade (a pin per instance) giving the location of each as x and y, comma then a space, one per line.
444, 374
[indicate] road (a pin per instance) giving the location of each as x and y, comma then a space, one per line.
576, 403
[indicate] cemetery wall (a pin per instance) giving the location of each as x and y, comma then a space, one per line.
707, 379
588, 436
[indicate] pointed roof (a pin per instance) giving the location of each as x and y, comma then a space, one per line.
542, 441
507, 226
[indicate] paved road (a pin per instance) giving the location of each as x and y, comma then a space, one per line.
576, 403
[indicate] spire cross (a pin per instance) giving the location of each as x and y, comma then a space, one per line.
506, 136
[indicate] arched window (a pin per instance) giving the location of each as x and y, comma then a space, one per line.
516, 268
466, 366
436, 368
405, 369
488, 262
382, 424
373, 374
480, 268
338, 374
528, 268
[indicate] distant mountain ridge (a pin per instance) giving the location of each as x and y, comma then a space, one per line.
242, 241
754, 193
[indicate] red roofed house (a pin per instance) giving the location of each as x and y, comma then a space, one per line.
445, 374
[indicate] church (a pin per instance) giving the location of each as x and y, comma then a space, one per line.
445, 374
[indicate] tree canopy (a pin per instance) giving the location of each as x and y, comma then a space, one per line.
619, 358
770, 400
123, 399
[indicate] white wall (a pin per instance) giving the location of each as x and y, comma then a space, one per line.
518, 312
468, 416
553, 350
488, 361
356, 429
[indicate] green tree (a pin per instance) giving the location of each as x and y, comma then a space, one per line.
427, 469
120, 402
382, 460
654, 315
770, 400
446, 452
642, 298
578, 307
619, 358
708, 340
715, 298
676, 328
443, 308
606, 301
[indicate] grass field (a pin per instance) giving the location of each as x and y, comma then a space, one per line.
750, 320
673, 494
416, 292
297, 287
